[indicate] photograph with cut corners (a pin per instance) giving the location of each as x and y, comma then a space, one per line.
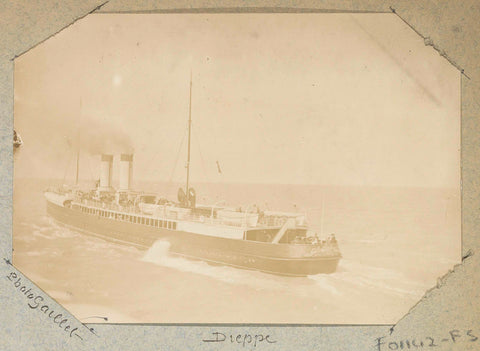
236, 168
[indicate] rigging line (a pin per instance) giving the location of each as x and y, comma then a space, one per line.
89, 163
176, 161
67, 168
152, 161
205, 176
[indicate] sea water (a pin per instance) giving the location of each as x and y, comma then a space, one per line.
395, 243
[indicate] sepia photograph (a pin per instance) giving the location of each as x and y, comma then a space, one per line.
236, 168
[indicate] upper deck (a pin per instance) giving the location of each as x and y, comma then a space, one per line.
267, 226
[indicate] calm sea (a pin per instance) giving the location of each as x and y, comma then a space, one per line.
395, 242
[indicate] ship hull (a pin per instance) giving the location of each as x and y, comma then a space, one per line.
267, 257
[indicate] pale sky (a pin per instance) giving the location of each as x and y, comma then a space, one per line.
333, 99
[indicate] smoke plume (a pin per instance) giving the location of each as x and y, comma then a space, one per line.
96, 136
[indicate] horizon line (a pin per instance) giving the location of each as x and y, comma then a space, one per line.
67, 182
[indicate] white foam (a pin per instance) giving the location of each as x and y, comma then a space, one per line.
40, 233
325, 282
159, 254
34, 253
358, 275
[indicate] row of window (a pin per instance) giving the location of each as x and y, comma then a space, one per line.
130, 218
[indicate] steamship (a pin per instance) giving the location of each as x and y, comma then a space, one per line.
269, 241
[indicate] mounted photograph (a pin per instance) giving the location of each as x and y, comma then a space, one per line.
236, 168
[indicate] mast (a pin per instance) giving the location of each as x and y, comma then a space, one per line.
189, 134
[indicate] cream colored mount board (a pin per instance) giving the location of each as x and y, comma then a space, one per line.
313, 131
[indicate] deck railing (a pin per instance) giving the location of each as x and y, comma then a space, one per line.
175, 213
166, 214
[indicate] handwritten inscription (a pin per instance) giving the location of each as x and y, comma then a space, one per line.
243, 339
36, 302
454, 336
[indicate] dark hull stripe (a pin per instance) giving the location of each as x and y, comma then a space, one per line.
266, 257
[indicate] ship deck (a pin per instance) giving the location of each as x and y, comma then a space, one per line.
120, 212
226, 245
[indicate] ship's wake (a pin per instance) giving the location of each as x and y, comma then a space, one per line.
351, 277
159, 254
48, 229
